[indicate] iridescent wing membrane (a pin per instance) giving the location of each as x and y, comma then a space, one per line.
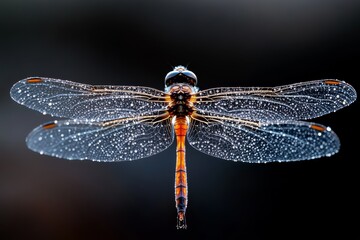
114, 123
304, 100
61, 98
115, 141
259, 124
107, 123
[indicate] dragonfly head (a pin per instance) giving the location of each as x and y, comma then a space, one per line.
180, 75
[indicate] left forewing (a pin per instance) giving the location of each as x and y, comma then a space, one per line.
62, 98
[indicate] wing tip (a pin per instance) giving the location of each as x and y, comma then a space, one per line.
348, 88
16, 89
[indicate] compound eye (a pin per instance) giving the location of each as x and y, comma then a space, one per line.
171, 75
180, 75
189, 74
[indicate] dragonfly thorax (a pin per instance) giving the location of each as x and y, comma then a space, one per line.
180, 103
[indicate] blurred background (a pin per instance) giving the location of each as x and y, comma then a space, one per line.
136, 42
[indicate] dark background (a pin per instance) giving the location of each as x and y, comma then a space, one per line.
226, 43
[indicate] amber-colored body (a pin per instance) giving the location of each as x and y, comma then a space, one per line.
180, 108
180, 127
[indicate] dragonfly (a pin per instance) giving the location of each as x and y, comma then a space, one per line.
122, 123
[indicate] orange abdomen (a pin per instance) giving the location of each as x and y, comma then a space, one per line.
181, 127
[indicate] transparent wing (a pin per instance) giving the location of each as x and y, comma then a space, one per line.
239, 140
304, 100
119, 140
67, 99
